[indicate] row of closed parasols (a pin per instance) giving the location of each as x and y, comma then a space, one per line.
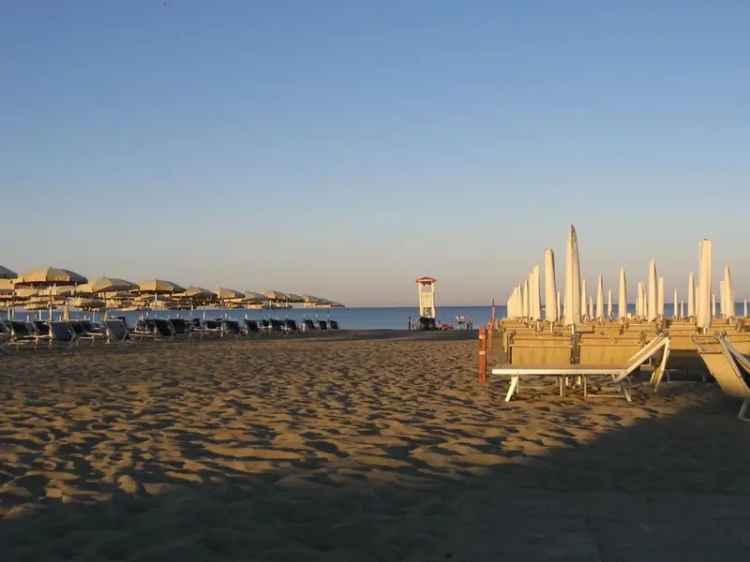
577, 305
53, 287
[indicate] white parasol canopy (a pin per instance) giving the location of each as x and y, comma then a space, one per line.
622, 303
550, 287
703, 297
572, 280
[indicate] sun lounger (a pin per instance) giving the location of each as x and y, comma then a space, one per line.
614, 373
334, 325
322, 324
309, 325
729, 367
251, 326
230, 327
62, 333
290, 325
116, 331
22, 333
181, 327
82, 333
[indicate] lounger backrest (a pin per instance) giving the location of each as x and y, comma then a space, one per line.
163, 328
62, 332
252, 325
641, 356
309, 324
607, 351
20, 329
541, 351
116, 330
334, 324
740, 341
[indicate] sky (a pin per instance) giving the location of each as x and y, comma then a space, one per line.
346, 148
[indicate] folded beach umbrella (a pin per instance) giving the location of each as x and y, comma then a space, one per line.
609, 303
525, 293
691, 296
591, 307
535, 302
6, 273
158, 287
653, 292
49, 276
660, 298
572, 280
550, 287
728, 293
675, 305
713, 305
584, 300
641, 302
600, 298
745, 308
559, 306
703, 298
622, 301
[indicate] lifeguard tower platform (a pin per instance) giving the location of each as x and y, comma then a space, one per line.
427, 305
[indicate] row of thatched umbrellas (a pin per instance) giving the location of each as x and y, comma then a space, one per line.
53, 287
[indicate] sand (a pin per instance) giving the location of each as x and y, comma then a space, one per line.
361, 447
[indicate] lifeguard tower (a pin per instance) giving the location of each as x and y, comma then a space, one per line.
427, 307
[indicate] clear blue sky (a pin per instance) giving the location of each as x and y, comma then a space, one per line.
344, 148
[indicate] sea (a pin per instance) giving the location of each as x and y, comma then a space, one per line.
352, 318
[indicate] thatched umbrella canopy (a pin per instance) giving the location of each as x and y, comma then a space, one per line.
159, 287
295, 298
6, 287
49, 276
6, 273
275, 296
111, 285
228, 294
194, 292
254, 297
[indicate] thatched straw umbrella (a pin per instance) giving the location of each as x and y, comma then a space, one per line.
50, 278
572, 280
6, 273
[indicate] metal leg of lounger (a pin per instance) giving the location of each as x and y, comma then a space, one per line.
512, 388
745, 405
625, 387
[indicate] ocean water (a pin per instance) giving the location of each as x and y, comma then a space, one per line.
364, 318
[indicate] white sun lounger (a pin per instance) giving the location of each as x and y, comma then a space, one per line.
618, 375
726, 364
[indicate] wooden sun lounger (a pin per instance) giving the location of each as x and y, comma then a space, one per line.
726, 364
617, 374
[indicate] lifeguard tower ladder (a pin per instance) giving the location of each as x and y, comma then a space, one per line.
427, 306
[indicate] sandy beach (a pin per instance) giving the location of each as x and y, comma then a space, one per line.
361, 447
